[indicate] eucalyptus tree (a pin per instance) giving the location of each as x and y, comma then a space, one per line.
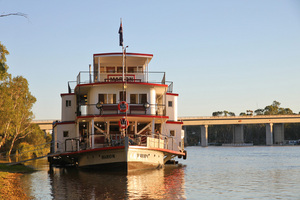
4, 98
272, 109
259, 111
3, 65
22, 101
223, 113
16, 103
275, 109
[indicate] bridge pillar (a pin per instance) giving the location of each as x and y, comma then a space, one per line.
278, 133
269, 134
204, 135
185, 136
238, 135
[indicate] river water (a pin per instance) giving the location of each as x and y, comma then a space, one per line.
208, 173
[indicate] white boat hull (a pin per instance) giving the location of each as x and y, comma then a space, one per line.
132, 158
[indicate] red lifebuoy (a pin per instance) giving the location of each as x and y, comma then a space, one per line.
123, 123
123, 106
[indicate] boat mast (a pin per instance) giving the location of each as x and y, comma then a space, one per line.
123, 67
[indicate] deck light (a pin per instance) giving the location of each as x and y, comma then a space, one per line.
146, 105
99, 105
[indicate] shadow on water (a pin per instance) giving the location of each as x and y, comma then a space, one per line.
73, 183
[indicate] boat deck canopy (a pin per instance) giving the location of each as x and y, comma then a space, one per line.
115, 59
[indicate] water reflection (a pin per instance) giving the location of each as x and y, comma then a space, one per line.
153, 184
209, 173
157, 184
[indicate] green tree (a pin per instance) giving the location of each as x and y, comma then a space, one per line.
259, 111
217, 113
231, 114
6, 112
22, 101
275, 109
222, 113
3, 65
272, 109
16, 103
35, 144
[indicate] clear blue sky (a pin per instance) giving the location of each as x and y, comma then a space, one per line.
229, 55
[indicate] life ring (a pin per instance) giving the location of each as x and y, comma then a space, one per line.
123, 123
123, 106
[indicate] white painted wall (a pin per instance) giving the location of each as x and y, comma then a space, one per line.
150, 90
68, 113
171, 111
60, 139
175, 143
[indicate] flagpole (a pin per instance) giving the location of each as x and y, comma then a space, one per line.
122, 44
123, 64
123, 70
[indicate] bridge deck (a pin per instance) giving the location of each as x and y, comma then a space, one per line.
258, 119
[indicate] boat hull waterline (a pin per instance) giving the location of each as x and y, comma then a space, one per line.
115, 158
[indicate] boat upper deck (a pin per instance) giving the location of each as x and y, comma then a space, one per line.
108, 68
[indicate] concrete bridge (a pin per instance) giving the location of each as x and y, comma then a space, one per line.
274, 126
45, 125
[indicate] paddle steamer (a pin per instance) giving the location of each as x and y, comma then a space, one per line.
118, 116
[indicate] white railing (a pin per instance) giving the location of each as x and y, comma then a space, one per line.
155, 143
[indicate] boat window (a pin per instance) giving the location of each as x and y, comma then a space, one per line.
122, 95
102, 69
172, 133
110, 69
107, 98
131, 69
142, 98
66, 133
140, 69
170, 103
111, 98
83, 99
102, 98
68, 103
133, 98
120, 69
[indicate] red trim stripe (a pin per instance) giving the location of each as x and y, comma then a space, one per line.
120, 54
63, 123
173, 94
65, 94
174, 122
163, 150
121, 115
136, 83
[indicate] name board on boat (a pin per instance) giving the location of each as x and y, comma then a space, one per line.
140, 156
119, 78
108, 156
